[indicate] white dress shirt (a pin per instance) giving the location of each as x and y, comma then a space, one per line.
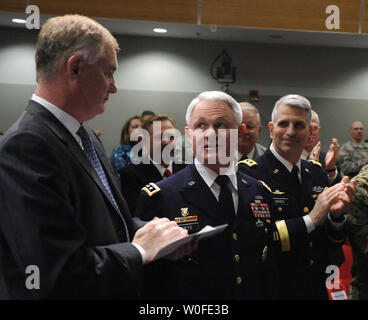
209, 176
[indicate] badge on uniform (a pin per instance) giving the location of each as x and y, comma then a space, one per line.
259, 209
317, 190
187, 222
151, 189
278, 192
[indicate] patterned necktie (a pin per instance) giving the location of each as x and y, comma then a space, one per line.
226, 202
93, 158
167, 173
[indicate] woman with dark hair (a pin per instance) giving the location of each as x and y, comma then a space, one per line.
120, 156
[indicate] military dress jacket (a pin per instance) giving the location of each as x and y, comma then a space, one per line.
135, 176
236, 264
304, 256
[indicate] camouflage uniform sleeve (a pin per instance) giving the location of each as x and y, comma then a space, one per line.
357, 224
348, 161
358, 212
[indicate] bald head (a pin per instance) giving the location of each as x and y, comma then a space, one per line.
357, 131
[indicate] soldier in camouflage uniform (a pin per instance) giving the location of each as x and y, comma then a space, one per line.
357, 224
353, 154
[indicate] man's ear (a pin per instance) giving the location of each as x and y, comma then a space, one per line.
311, 130
73, 65
270, 128
242, 130
188, 133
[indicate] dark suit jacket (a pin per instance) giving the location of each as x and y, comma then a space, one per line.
227, 266
56, 215
135, 176
303, 267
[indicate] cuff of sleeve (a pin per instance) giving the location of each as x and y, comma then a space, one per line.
331, 179
338, 225
309, 223
141, 251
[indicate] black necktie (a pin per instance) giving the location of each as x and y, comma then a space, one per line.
226, 202
295, 182
95, 161
244, 157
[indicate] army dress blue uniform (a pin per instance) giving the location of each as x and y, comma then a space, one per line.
236, 264
304, 256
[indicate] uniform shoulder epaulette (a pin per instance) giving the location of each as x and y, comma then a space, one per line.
316, 163
248, 162
265, 185
151, 189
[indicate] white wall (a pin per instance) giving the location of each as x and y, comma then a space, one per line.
165, 74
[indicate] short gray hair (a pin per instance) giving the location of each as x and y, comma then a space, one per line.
317, 117
293, 100
246, 106
213, 96
64, 36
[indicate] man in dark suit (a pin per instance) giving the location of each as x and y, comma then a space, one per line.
236, 264
309, 240
61, 211
158, 161
312, 151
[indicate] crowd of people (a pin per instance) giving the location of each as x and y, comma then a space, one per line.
93, 225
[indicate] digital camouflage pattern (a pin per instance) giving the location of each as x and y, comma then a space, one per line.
352, 157
357, 223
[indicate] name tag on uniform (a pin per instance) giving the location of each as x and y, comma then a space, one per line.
280, 201
190, 223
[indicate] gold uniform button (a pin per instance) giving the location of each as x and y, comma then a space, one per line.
237, 258
238, 280
310, 244
266, 230
306, 209
279, 209
311, 261
235, 236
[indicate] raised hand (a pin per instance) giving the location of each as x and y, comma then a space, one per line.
332, 154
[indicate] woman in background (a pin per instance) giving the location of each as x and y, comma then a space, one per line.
120, 156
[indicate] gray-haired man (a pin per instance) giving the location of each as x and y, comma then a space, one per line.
309, 241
